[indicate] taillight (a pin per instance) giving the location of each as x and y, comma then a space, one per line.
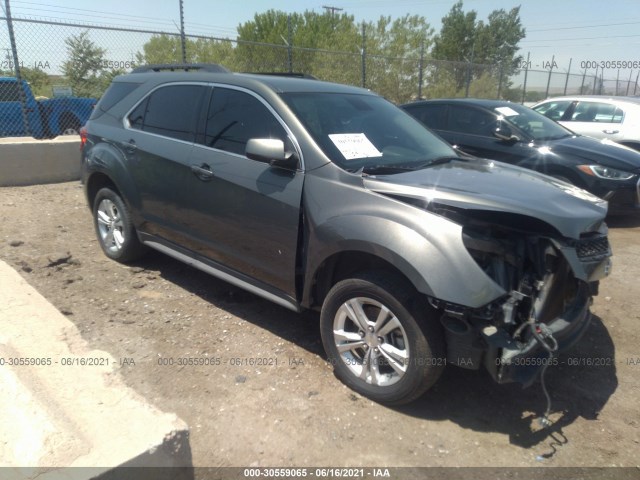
83, 137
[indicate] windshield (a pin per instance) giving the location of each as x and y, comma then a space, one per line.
534, 124
365, 131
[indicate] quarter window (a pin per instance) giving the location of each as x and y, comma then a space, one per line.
234, 117
170, 111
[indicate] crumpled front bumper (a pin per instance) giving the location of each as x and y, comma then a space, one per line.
523, 365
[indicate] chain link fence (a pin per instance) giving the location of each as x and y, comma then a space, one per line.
53, 73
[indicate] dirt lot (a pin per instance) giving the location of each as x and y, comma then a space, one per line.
290, 410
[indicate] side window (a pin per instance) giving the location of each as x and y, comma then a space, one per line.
471, 121
170, 111
9, 92
597, 112
234, 117
136, 117
433, 116
554, 110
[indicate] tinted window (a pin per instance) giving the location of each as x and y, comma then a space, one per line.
532, 123
234, 117
9, 92
433, 116
471, 120
597, 112
116, 92
136, 117
554, 109
171, 111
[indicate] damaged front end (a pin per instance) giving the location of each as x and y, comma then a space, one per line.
549, 280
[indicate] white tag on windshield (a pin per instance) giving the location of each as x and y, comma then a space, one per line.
507, 111
354, 145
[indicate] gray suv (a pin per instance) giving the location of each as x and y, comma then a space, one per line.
322, 196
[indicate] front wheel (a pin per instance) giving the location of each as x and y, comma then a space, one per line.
378, 335
116, 234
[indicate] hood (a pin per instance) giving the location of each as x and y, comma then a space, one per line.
486, 185
601, 152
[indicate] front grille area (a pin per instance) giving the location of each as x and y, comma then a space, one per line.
592, 247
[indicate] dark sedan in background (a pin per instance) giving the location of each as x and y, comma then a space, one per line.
515, 134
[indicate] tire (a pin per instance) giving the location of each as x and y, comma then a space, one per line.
395, 357
116, 234
69, 124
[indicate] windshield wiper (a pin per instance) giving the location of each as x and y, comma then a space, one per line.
391, 169
554, 137
388, 169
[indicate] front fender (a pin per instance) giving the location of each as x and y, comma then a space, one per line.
429, 252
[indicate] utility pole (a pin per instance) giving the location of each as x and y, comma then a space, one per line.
333, 10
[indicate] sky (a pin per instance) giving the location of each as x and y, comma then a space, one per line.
560, 30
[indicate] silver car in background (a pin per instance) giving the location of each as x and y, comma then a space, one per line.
612, 118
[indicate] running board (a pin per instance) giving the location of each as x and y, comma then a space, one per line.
290, 304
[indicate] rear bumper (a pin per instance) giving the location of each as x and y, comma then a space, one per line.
523, 365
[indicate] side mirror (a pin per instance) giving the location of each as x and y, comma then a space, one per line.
504, 133
271, 151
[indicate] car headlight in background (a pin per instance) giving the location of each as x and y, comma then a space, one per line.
607, 173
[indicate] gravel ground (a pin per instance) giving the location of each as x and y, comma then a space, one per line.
267, 397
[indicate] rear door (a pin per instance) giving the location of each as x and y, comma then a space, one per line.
597, 120
157, 143
244, 213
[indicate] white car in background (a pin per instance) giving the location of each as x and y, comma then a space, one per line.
614, 118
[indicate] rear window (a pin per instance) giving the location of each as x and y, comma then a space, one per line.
116, 92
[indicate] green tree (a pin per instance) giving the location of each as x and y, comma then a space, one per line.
168, 49
494, 43
162, 49
84, 66
395, 49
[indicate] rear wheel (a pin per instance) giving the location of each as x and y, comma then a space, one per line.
116, 234
377, 334
69, 124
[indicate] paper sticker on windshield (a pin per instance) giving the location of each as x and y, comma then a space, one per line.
507, 111
354, 145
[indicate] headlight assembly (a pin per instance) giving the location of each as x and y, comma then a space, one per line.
607, 173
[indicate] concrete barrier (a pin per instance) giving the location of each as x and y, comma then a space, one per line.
57, 411
27, 161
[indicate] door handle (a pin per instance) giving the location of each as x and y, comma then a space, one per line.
611, 132
203, 172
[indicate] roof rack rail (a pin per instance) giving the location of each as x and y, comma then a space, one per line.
285, 74
202, 67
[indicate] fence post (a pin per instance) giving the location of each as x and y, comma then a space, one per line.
364, 56
289, 43
421, 68
584, 74
636, 85
595, 80
526, 74
617, 81
16, 65
566, 82
553, 60
629, 82
501, 66
473, 51
182, 37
